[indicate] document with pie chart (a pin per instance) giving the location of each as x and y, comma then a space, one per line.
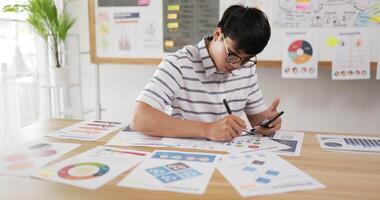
28, 157
300, 59
93, 168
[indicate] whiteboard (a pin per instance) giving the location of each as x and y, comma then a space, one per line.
141, 24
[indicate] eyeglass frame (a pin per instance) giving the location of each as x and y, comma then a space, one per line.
241, 60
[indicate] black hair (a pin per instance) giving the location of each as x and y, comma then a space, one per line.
248, 27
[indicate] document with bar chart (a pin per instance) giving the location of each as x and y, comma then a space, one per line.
349, 143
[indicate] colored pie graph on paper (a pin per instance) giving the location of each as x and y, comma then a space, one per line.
86, 170
300, 51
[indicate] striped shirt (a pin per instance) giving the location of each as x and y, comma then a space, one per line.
188, 82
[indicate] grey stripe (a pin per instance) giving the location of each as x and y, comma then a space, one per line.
207, 102
178, 114
223, 92
255, 106
189, 52
253, 102
182, 57
253, 92
159, 96
163, 83
206, 113
168, 61
171, 76
218, 82
209, 67
205, 57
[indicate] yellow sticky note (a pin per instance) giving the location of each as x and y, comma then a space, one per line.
375, 19
169, 43
173, 25
332, 41
172, 16
173, 7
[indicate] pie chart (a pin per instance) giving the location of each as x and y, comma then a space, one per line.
300, 51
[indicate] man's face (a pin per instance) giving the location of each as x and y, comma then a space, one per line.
226, 57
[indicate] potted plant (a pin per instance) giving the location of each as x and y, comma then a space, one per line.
52, 26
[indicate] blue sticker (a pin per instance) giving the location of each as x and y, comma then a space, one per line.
272, 172
262, 180
189, 173
168, 178
156, 171
184, 156
249, 169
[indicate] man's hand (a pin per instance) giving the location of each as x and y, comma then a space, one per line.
270, 113
225, 129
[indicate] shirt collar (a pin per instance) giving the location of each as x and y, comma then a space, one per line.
207, 62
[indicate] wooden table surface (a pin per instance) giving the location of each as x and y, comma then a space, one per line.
346, 175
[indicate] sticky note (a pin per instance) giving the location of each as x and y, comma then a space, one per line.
173, 7
169, 43
173, 25
143, 2
332, 41
172, 16
375, 19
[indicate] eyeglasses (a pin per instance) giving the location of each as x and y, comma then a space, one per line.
233, 58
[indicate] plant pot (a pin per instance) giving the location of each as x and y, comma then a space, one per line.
59, 76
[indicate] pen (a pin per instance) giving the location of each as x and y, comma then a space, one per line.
230, 112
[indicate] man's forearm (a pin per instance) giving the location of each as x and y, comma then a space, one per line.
153, 122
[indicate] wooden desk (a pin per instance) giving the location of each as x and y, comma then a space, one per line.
346, 175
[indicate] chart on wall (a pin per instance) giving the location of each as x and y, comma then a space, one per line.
187, 22
326, 13
300, 59
119, 23
350, 55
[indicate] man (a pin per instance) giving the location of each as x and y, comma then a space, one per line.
195, 80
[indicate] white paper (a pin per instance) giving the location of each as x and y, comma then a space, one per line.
349, 143
351, 56
262, 173
300, 58
239, 144
291, 139
27, 158
93, 168
174, 171
129, 138
88, 130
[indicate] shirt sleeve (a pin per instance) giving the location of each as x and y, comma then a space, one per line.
255, 103
164, 86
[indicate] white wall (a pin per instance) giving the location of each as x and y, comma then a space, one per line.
312, 105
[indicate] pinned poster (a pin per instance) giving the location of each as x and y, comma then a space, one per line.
175, 171
300, 59
93, 168
28, 157
351, 57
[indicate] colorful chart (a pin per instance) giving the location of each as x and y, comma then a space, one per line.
86, 170
300, 51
